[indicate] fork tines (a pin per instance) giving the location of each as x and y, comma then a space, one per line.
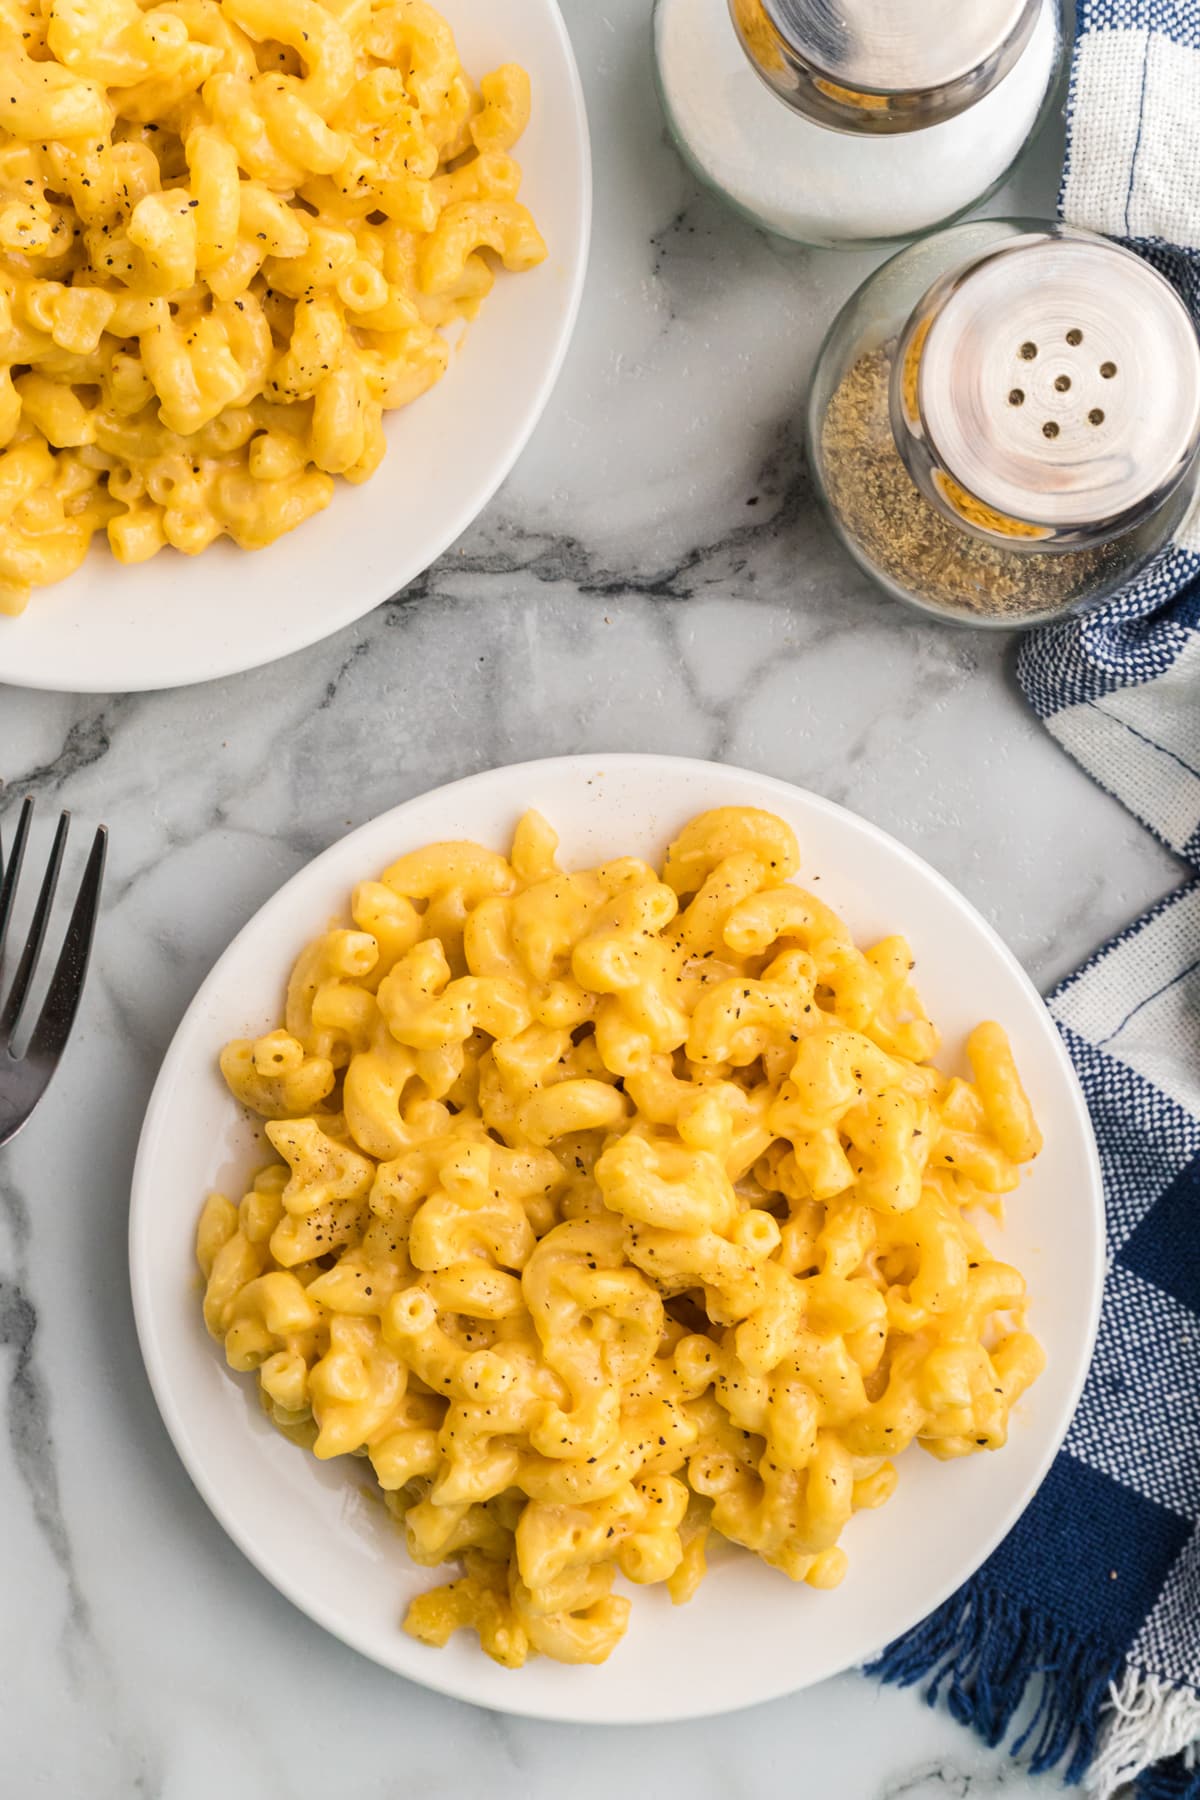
23, 1080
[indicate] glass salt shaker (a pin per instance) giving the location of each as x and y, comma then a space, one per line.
866, 122
1004, 421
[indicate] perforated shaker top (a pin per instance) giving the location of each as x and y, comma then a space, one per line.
1057, 382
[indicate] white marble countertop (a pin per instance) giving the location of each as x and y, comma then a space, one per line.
653, 577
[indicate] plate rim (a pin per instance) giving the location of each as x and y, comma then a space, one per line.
263, 1560
233, 663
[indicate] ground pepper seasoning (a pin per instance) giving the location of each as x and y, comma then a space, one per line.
903, 536
1004, 422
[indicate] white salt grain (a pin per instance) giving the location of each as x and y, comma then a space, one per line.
829, 187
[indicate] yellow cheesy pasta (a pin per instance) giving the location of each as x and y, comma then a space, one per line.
616, 1212
231, 232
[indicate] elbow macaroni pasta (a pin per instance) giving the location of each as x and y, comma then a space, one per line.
617, 1212
231, 232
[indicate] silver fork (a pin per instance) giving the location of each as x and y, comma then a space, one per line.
25, 1078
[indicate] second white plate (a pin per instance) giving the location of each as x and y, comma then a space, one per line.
749, 1635
180, 619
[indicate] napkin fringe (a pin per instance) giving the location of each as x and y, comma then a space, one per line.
1106, 1719
986, 1650
1151, 1735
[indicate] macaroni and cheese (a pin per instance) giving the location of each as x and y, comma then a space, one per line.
231, 232
617, 1211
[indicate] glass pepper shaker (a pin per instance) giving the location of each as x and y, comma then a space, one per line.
865, 122
1005, 419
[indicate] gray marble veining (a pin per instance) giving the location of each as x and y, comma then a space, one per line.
654, 576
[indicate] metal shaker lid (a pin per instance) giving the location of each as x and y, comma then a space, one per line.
883, 66
1048, 393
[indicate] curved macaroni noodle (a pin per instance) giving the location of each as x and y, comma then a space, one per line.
618, 1213
231, 235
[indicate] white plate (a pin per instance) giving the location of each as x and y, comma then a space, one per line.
180, 619
750, 1634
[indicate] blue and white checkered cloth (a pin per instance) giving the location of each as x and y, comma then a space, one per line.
1097, 1591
